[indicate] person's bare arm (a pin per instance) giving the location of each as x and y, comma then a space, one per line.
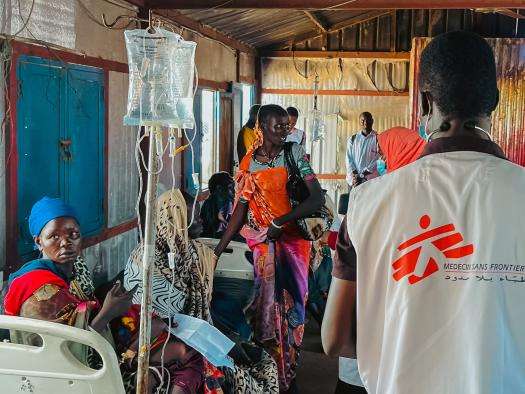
236, 222
338, 329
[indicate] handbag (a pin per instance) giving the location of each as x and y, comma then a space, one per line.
315, 225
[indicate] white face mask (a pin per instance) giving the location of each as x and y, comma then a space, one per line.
424, 120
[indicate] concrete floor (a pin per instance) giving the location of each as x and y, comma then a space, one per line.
317, 373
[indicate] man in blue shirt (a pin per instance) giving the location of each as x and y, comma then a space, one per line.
362, 152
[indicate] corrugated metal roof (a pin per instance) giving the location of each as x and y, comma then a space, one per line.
262, 28
269, 27
337, 16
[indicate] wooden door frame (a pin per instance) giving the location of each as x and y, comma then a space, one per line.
11, 158
230, 155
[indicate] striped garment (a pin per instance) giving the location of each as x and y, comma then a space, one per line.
166, 299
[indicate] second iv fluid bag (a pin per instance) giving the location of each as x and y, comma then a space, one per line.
161, 75
317, 126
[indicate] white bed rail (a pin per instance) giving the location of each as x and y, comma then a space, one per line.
52, 368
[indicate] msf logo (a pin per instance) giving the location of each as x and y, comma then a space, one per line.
421, 259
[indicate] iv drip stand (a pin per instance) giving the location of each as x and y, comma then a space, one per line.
147, 260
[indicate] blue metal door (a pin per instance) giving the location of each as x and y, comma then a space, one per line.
40, 125
85, 130
60, 136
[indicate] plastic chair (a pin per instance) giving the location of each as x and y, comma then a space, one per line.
52, 368
233, 262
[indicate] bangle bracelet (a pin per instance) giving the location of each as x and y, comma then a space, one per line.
275, 225
128, 355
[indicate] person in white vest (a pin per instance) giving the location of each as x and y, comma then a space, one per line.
429, 285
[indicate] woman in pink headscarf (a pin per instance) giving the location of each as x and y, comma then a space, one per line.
399, 146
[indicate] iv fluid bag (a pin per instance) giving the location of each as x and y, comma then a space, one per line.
316, 125
161, 74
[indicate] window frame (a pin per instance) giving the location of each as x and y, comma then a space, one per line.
246, 110
215, 136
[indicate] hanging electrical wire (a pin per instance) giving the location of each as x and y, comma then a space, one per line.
5, 59
370, 77
93, 18
390, 79
305, 75
24, 22
159, 19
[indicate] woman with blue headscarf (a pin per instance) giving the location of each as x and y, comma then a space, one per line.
57, 287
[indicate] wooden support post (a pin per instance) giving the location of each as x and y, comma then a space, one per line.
147, 265
316, 21
258, 78
337, 55
393, 32
345, 92
237, 66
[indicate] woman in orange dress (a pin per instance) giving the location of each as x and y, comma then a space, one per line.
281, 256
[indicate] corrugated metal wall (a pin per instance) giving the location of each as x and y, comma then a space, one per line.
342, 121
336, 74
508, 121
51, 21
341, 112
123, 174
108, 258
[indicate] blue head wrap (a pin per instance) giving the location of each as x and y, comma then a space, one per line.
48, 209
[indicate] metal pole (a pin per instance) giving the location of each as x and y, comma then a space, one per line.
147, 259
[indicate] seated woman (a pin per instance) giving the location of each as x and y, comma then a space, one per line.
186, 287
217, 208
58, 288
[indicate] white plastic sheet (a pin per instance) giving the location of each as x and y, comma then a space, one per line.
161, 75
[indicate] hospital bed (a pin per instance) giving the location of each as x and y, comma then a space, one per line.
233, 262
52, 368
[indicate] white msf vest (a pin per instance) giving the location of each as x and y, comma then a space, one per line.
440, 245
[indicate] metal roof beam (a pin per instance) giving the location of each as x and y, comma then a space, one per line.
355, 20
137, 3
316, 21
